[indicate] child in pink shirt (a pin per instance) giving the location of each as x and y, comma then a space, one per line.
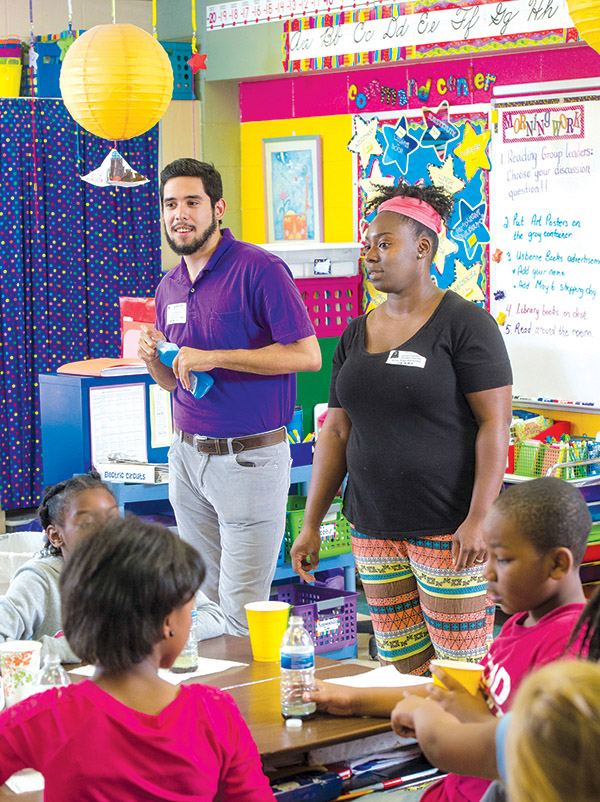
127, 594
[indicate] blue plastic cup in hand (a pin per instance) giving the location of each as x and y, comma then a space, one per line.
200, 383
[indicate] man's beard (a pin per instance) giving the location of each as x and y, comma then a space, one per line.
196, 244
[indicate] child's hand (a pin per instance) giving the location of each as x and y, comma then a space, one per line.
457, 700
335, 699
403, 715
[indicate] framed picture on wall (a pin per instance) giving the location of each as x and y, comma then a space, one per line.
293, 189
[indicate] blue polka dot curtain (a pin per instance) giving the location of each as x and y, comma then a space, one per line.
68, 250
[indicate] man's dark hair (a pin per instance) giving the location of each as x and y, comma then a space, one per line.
57, 498
192, 168
436, 197
119, 586
550, 513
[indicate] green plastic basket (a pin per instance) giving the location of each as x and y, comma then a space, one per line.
335, 529
528, 459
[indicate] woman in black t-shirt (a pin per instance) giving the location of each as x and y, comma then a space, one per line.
419, 412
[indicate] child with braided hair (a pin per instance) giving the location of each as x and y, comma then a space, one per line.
30, 610
70, 511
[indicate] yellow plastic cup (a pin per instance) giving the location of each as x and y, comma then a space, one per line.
468, 674
267, 622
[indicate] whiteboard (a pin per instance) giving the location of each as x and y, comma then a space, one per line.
545, 244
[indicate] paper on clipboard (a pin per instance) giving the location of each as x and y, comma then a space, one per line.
118, 422
161, 417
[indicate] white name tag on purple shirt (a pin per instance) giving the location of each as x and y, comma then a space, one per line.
176, 313
408, 359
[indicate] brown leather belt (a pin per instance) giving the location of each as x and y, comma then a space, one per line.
231, 445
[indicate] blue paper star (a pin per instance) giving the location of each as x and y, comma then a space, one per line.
439, 130
471, 228
399, 144
33, 57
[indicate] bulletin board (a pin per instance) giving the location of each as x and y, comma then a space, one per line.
442, 146
545, 247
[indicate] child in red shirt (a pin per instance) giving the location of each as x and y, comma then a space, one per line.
536, 534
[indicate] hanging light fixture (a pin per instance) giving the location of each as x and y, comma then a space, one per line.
586, 17
116, 81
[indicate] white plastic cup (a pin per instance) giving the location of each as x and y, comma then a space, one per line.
19, 665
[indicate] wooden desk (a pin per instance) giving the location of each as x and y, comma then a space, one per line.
255, 688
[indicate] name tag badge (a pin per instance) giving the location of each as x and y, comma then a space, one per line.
176, 313
408, 359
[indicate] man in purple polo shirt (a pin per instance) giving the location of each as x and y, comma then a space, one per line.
234, 310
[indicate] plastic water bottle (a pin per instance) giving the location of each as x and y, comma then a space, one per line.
297, 656
187, 660
52, 674
200, 383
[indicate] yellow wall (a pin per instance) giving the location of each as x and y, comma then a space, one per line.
335, 132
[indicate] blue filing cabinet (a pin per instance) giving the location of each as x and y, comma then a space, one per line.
65, 423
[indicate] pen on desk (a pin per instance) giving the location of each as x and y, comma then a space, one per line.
387, 784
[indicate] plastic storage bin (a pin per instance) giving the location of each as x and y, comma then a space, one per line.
46, 82
10, 77
10, 66
335, 529
307, 259
179, 54
329, 614
331, 302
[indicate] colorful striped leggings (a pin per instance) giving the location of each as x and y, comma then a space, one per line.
420, 606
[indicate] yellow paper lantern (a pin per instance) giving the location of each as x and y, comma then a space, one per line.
116, 81
586, 17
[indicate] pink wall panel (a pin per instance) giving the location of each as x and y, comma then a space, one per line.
313, 95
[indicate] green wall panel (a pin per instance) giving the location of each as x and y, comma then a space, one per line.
313, 388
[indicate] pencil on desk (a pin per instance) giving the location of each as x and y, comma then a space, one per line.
355, 794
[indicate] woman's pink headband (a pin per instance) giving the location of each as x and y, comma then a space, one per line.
416, 210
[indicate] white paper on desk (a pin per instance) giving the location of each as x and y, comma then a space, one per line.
26, 781
384, 677
206, 666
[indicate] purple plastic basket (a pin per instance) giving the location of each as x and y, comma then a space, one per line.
329, 614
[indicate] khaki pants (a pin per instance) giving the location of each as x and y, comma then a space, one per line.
232, 508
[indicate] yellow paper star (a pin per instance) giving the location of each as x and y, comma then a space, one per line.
444, 176
445, 248
465, 282
364, 142
472, 150
368, 184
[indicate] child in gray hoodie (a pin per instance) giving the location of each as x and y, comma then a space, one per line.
69, 511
